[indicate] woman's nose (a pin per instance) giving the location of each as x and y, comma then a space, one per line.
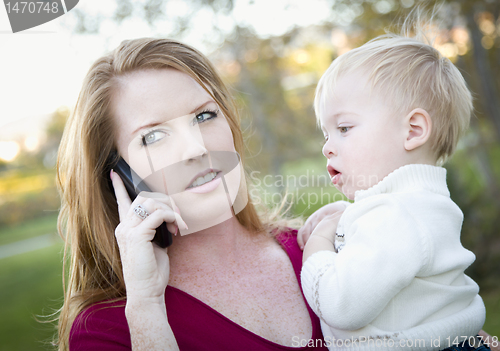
329, 149
193, 145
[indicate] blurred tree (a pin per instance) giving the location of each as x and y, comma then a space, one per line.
153, 11
30, 191
277, 96
54, 132
55, 127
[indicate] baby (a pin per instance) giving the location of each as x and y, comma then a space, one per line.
389, 274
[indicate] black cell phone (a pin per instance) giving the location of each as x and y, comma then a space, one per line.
162, 238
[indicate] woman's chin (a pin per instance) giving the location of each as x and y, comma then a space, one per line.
203, 210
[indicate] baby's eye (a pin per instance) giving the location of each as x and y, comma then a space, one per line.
152, 137
205, 116
325, 140
344, 129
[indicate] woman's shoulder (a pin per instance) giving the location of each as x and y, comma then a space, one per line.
101, 326
287, 238
283, 234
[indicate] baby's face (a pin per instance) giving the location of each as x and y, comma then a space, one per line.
364, 138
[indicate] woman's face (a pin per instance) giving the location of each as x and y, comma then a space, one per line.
173, 135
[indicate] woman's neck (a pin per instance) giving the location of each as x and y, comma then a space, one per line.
218, 246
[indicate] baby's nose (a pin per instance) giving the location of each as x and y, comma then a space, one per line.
329, 149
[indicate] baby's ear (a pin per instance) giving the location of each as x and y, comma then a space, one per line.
418, 127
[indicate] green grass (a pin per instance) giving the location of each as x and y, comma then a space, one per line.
31, 286
308, 200
28, 229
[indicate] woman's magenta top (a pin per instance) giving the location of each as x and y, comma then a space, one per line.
196, 325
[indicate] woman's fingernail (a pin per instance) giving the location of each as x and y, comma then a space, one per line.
180, 222
183, 224
176, 210
176, 230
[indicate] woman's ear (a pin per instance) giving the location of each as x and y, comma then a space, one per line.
418, 127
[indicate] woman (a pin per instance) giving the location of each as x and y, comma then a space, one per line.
231, 283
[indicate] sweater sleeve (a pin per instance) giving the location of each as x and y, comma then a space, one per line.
100, 328
384, 251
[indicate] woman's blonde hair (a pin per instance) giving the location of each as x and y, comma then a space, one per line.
89, 213
411, 73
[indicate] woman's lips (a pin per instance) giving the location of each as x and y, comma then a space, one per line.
208, 186
202, 174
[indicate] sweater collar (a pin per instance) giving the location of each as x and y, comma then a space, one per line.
409, 178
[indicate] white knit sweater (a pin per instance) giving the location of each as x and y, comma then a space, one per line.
400, 274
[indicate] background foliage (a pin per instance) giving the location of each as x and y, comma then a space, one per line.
273, 78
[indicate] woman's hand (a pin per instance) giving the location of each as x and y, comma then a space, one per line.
145, 266
313, 220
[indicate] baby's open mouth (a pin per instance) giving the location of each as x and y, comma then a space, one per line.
334, 174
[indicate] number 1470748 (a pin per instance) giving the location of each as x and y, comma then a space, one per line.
32, 7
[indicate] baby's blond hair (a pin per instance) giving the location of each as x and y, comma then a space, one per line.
413, 74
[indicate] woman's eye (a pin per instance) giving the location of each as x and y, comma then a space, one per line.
205, 116
152, 137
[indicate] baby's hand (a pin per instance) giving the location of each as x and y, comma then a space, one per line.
313, 220
327, 227
323, 236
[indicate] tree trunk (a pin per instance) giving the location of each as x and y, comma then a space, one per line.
486, 77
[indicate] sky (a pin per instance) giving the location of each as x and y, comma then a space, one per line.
42, 68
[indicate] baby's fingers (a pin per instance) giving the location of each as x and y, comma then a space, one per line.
330, 220
328, 226
302, 236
